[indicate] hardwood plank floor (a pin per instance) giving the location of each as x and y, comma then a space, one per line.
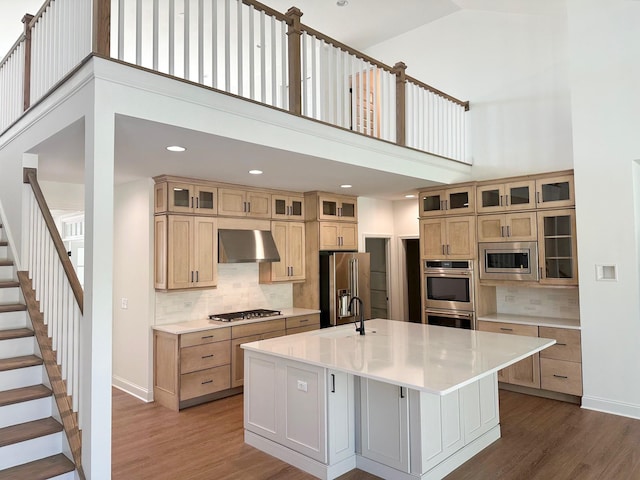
541, 439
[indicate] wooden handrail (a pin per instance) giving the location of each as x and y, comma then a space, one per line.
13, 48
268, 10
346, 48
437, 92
30, 176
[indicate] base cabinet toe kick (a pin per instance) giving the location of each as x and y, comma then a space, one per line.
329, 422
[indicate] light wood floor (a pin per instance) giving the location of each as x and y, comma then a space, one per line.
541, 439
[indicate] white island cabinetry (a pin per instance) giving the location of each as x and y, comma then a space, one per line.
421, 414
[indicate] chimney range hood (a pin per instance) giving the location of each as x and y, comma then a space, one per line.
245, 246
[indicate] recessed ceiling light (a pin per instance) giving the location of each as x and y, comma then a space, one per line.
255, 172
346, 185
176, 148
410, 195
342, 3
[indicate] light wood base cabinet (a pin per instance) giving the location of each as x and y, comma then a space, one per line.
190, 366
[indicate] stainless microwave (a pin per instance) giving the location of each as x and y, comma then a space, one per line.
509, 261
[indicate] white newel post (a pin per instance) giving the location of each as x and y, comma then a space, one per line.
96, 331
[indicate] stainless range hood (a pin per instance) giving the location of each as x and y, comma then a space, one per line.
245, 246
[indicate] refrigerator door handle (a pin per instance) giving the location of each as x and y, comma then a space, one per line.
355, 291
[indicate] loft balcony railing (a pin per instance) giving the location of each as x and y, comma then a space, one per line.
241, 47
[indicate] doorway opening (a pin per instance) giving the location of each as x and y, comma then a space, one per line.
378, 252
412, 297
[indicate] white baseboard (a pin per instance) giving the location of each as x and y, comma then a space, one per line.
610, 406
132, 389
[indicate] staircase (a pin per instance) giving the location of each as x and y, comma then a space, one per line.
32, 440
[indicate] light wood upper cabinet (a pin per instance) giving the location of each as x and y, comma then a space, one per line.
181, 197
290, 242
329, 206
448, 238
186, 252
287, 206
338, 236
244, 203
499, 197
557, 247
555, 192
450, 201
511, 227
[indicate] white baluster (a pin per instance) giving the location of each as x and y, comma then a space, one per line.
227, 46
274, 68
263, 61
314, 77
156, 32
284, 62
201, 41
172, 37
239, 47
252, 48
305, 66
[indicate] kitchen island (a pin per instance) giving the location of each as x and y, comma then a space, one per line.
404, 401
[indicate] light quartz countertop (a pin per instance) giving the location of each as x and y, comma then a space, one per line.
573, 324
206, 324
423, 357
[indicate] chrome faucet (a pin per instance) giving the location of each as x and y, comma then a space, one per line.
361, 308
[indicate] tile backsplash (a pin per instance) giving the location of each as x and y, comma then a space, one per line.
238, 289
539, 302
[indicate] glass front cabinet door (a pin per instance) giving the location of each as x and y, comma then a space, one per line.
555, 192
506, 196
451, 201
189, 198
558, 247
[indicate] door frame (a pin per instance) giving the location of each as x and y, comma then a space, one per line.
388, 245
403, 306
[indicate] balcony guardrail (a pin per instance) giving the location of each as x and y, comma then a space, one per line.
241, 47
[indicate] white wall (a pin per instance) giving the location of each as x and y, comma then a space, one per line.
63, 196
133, 280
605, 48
512, 69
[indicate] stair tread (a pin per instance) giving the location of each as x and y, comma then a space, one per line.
16, 333
9, 283
24, 394
29, 430
12, 307
4, 243
19, 362
40, 469
6, 263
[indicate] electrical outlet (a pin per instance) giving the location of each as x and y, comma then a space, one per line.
302, 386
124, 303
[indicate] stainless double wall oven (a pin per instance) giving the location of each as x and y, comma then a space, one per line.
449, 299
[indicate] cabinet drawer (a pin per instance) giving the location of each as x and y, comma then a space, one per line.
205, 336
204, 382
257, 328
307, 328
561, 376
205, 356
567, 346
510, 328
303, 321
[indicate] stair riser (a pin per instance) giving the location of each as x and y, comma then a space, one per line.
6, 273
31, 450
21, 377
4, 250
9, 320
25, 411
66, 476
10, 295
17, 347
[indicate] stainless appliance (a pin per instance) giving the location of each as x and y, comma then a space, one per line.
451, 318
244, 315
342, 277
509, 261
449, 284
244, 246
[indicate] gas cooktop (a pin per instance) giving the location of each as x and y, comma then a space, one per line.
244, 315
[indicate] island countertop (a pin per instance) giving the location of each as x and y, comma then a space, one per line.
423, 357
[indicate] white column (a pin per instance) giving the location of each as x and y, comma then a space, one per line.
96, 328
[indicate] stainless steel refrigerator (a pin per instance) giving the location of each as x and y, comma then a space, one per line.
342, 277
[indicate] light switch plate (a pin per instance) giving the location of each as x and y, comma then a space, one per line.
302, 386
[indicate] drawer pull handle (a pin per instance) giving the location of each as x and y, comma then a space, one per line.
305, 320
207, 381
561, 344
207, 356
506, 329
208, 336
560, 376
